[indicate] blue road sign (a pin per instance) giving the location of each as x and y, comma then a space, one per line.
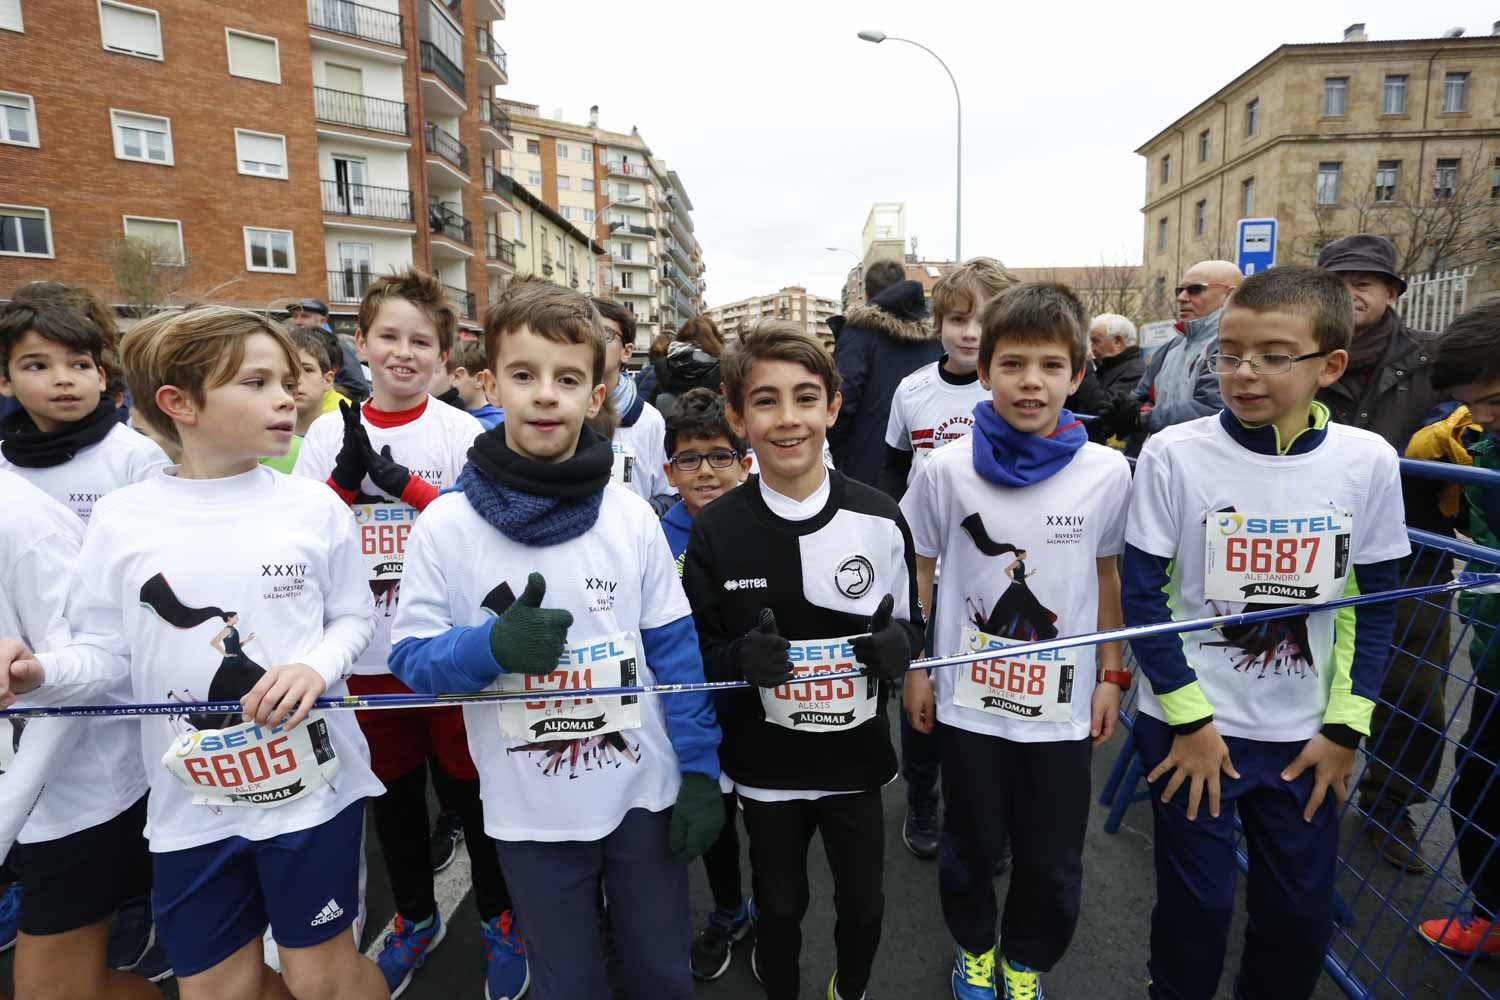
1255, 242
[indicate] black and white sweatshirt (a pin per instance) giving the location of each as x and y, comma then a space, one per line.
822, 577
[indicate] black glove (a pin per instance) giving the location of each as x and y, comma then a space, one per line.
385, 472
349, 466
886, 651
528, 638
760, 654
1125, 418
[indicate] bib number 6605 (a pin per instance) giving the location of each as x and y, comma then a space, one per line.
229, 770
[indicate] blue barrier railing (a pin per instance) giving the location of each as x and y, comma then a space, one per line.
1432, 701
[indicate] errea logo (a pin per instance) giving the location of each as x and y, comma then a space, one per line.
748, 583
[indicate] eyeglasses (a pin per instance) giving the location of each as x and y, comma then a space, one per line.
719, 458
1196, 289
611, 336
1260, 364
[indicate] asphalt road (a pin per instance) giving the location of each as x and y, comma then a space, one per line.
1108, 955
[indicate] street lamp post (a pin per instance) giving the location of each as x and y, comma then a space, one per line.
879, 36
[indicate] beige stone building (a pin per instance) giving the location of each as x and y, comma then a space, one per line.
793, 302
611, 186
1397, 137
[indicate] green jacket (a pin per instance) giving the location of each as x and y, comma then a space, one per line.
1484, 526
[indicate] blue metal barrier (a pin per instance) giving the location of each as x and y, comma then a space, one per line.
1430, 700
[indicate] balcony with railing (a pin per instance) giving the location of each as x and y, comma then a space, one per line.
497, 247
680, 255
634, 260
641, 290
445, 222
367, 201
462, 300
496, 183
492, 10
624, 168
493, 69
357, 21
340, 107
440, 142
440, 66
631, 230
494, 123
348, 285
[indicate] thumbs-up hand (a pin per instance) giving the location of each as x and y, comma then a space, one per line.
885, 652
761, 654
528, 638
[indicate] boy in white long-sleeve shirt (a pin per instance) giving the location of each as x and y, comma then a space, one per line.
255, 821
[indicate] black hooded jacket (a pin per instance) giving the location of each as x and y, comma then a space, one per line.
875, 347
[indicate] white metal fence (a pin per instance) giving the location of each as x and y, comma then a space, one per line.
1432, 300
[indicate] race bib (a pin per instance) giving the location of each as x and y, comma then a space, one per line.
1029, 687
810, 705
601, 663
252, 765
383, 529
1277, 558
624, 467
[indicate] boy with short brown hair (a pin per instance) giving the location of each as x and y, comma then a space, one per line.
388, 459
1267, 504
576, 790
832, 570
235, 848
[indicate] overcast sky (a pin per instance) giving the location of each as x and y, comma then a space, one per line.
785, 127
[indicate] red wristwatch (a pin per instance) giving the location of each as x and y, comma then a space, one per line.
1120, 677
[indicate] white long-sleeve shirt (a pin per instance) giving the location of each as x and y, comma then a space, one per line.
277, 552
66, 775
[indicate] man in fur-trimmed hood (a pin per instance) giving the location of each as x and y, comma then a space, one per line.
875, 347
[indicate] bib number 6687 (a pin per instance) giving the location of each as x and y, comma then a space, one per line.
230, 770
1269, 555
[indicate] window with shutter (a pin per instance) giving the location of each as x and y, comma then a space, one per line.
132, 30
142, 137
164, 234
10, 15
255, 57
260, 153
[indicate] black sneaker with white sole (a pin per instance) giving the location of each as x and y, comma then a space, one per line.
714, 947
447, 834
920, 831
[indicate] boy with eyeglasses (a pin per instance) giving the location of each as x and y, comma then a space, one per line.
1267, 504
707, 459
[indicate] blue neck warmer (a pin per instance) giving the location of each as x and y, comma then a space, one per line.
1007, 457
624, 398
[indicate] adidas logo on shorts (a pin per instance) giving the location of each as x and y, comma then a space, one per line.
330, 912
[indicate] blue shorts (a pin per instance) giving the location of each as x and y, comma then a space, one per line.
211, 901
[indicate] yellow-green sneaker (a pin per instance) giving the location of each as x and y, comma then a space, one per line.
973, 975
834, 994
1020, 982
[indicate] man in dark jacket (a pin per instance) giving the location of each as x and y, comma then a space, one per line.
876, 346
1385, 389
1117, 359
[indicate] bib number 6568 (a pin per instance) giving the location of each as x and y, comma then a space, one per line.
1015, 676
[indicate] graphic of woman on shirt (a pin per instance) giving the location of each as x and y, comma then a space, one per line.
237, 673
1018, 614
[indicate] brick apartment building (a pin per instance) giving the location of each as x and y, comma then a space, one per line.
267, 151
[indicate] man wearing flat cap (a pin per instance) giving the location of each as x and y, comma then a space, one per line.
1385, 389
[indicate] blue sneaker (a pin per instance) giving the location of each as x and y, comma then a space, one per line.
973, 975
714, 947
10, 915
508, 973
1021, 982
406, 949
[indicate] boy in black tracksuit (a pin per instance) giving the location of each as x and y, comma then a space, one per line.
833, 571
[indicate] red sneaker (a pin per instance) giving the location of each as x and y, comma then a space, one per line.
1468, 935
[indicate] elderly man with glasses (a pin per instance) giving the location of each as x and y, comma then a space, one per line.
1179, 385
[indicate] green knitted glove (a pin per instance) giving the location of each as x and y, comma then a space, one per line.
697, 818
528, 638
